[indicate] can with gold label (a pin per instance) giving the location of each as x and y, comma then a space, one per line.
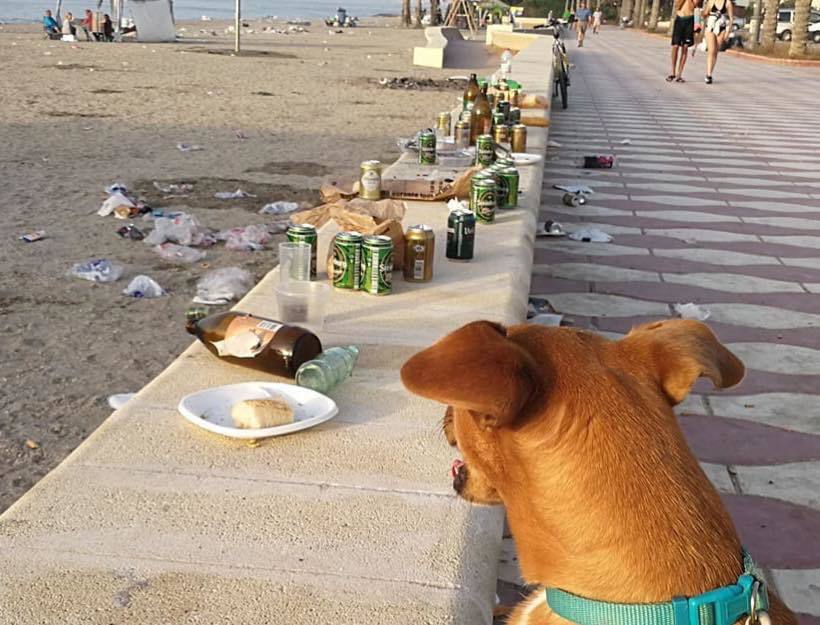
501, 134
443, 123
370, 180
518, 138
461, 135
419, 249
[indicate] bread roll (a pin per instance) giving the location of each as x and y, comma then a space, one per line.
253, 414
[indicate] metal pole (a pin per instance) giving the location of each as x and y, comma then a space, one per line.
237, 24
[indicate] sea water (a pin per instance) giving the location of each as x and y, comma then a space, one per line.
31, 10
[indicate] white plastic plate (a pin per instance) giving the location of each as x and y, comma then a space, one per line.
211, 409
523, 158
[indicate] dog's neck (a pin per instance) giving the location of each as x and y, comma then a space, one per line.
623, 519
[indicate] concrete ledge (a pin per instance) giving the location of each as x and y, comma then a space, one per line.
496, 28
152, 520
433, 53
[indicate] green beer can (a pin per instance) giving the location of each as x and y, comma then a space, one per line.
347, 260
484, 150
483, 199
427, 148
508, 193
306, 233
377, 264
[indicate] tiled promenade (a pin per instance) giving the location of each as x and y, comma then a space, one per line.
716, 201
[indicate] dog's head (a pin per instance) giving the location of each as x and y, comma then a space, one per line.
522, 396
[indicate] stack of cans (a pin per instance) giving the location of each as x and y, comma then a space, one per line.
363, 263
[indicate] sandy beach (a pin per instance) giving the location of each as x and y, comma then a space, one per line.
78, 117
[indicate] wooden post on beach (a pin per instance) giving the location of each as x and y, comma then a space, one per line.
237, 25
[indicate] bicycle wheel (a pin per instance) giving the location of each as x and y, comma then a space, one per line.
562, 86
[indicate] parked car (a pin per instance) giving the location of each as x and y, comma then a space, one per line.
785, 25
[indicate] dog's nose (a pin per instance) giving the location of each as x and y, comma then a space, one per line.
459, 473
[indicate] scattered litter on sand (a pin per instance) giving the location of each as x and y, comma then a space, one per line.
240, 135
117, 187
174, 253
221, 286
97, 270
250, 238
116, 200
131, 232
189, 147
418, 84
279, 208
31, 237
182, 228
143, 286
591, 235
239, 194
691, 311
174, 189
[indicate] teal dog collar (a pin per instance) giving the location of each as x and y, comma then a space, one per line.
723, 606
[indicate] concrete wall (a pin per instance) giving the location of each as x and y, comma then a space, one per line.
153, 521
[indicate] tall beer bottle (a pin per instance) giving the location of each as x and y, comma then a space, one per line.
482, 120
471, 93
255, 342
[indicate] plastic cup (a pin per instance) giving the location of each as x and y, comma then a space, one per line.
294, 262
303, 303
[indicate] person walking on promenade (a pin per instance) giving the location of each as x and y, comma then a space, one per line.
583, 16
719, 15
698, 27
597, 18
683, 36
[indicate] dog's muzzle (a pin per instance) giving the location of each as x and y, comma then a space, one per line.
458, 471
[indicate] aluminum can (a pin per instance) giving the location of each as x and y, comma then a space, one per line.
466, 116
419, 250
427, 148
504, 109
443, 123
508, 188
484, 150
502, 95
347, 261
483, 199
505, 161
574, 199
306, 233
498, 119
515, 116
370, 180
515, 97
501, 134
460, 235
461, 134
518, 138
491, 99
377, 264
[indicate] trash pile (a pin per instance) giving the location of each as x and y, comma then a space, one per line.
419, 84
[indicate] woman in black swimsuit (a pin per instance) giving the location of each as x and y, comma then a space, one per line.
719, 16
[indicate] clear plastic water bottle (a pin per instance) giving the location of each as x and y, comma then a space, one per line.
506, 64
328, 369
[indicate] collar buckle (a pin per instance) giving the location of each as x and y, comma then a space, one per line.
723, 606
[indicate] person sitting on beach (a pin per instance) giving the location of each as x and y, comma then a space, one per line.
49, 23
68, 25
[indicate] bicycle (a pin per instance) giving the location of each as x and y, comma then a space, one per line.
560, 66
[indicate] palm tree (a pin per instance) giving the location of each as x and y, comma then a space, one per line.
419, 13
434, 12
770, 23
626, 8
405, 13
653, 15
800, 34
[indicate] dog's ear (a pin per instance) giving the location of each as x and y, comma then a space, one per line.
677, 352
477, 368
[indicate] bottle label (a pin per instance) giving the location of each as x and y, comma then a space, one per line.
247, 337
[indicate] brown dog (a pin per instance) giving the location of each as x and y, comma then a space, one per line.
575, 435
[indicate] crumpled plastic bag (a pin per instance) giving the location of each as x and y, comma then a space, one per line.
250, 238
115, 200
97, 270
591, 235
456, 204
183, 229
239, 194
574, 188
221, 286
279, 208
183, 188
143, 286
692, 311
117, 187
174, 253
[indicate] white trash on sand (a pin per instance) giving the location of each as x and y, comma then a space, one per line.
181, 228
174, 189
239, 194
250, 238
279, 208
143, 286
221, 286
97, 270
691, 311
115, 200
181, 254
189, 147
